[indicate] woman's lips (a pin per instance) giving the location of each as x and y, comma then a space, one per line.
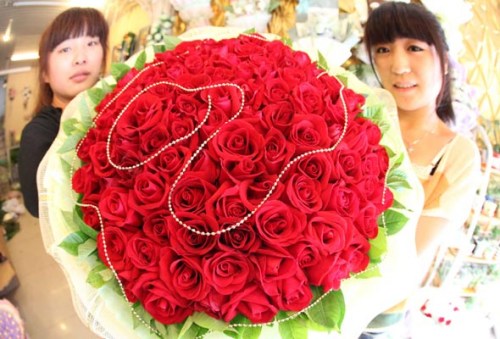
80, 77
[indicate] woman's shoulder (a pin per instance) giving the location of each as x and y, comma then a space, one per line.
44, 124
464, 153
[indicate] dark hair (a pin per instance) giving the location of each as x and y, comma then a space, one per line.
72, 23
392, 20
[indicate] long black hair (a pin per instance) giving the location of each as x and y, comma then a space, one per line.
392, 20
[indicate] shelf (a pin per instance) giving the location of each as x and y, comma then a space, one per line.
452, 252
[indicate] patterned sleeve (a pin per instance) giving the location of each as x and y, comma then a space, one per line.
451, 190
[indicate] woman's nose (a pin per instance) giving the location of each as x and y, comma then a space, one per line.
400, 63
80, 57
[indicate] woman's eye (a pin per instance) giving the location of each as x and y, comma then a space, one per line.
94, 43
414, 48
64, 50
381, 49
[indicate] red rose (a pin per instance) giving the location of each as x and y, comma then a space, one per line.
227, 272
187, 242
102, 167
243, 238
245, 169
308, 99
317, 167
306, 252
304, 193
143, 252
277, 90
116, 240
330, 231
142, 115
149, 193
356, 255
163, 305
309, 132
273, 266
254, 191
170, 162
156, 228
342, 199
191, 194
294, 293
226, 202
154, 140
279, 116
85, 181
277, 151
328, 272
346, 165
183, 274
279, 224
252, 302
366, 221
237, 140
205, 168
115, 209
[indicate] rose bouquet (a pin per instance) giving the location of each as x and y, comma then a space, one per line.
222, 186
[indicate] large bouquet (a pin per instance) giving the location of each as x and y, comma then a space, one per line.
226, 185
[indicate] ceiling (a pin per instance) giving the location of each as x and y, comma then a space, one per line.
29, 19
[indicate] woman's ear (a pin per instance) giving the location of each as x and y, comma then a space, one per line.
45, 77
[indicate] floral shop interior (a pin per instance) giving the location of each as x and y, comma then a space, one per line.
250, 169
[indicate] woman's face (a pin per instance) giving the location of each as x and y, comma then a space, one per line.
73, 66
410, 70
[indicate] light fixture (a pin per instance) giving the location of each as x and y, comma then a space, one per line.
7, 35
15, 70
24, 56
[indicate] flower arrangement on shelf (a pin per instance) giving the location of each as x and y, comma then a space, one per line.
225, 186
250, 14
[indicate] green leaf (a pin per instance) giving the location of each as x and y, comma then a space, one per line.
397, 205
159, 48
378, 246
287, 41
69, 125
136, 319
99, 275
293, 328
371, 271
106, 87
374, 112
96, 94
72, 241
86, 120
66, 166
394, 221
171, 41
140, 61
243, 332
118, 71
330, 311
206, 321
192, 331
70, 143
398, 179
78, 220
185, 327
87, 248
249, 31
322, 63
273, 5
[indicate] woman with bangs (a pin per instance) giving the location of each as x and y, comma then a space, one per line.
72, 53
408, 51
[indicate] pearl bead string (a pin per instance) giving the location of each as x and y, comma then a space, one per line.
184, 169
